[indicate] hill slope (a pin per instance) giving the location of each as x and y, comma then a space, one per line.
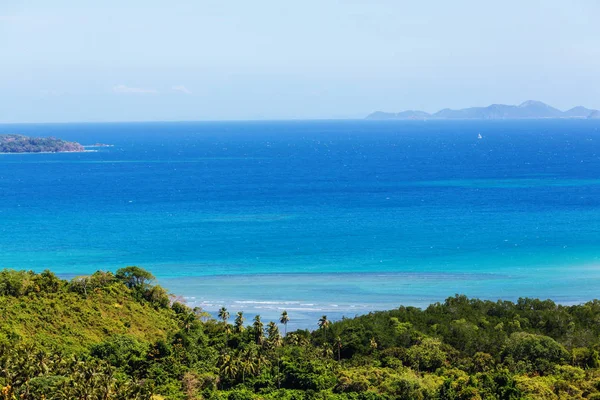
118, 337
50, 311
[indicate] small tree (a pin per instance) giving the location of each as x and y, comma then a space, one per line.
101, 279
134, 277
157, 296
201, 314
538, 352
80, 284
48, 282
427, 355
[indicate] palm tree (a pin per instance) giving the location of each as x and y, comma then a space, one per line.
223, 314
261, 361
277, 341
188, 321
327, 350
258, 329
247, 366
324, 324
250, 361
338, 346
228, 366
272, 330
273, 336
284, 320
239, 322
293, 339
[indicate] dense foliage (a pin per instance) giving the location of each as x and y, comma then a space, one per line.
24, 144
117, 336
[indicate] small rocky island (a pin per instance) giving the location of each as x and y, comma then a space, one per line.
25, 144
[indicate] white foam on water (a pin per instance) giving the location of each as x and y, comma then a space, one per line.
265, 302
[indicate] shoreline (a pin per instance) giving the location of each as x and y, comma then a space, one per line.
350, 294
52, 152
305, 311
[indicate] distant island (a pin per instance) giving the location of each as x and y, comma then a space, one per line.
25, 144
530, 109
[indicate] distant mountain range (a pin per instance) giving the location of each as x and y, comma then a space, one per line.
530, 109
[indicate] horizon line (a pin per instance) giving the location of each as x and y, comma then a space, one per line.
180, 121
368, 120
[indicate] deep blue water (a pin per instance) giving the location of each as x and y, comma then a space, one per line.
328, 217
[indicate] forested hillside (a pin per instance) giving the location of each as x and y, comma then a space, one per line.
117, 336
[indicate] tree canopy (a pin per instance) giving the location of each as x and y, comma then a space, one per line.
122, 338
135, 277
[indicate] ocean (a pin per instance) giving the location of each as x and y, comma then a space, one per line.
333, 218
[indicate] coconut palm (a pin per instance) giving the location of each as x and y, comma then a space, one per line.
188, 321
247, 365
338, 346
223, 314
273, 336
258, 329
251, 361
239, 322
261, 361
324, 324
228, 366
327, 351
284, 319
272, 330
293, 339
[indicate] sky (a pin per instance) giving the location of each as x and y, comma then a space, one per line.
149, 60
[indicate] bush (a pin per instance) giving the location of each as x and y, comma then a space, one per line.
427, 355
536, 351
121, 351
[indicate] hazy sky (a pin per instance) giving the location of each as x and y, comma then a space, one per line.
125, 60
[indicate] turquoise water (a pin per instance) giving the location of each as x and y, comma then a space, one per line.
330, 217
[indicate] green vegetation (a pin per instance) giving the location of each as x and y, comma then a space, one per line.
24, 144
117, 336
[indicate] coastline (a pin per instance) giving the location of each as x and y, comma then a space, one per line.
86, 150
349, 294
210, 293
52, 152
